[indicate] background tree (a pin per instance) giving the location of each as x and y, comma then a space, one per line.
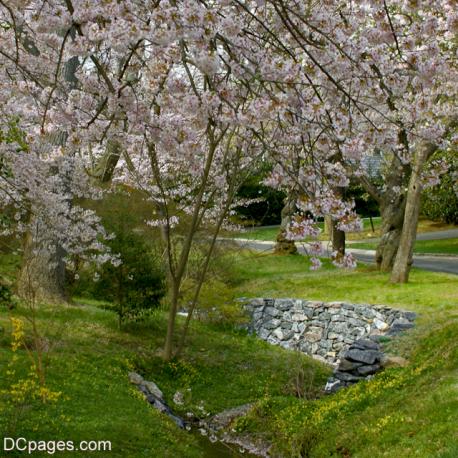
169, 88
440, 201
386, 85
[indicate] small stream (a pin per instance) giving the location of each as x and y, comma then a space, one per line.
219, 449
212, 448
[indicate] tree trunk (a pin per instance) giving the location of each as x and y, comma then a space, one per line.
168, 347
283, 245
337, 236
328, 226
392, 214
42, 274
391, 200
104, 168
404, 256
338, 240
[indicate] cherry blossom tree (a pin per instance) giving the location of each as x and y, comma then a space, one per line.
166, 100
375, 76
179, 99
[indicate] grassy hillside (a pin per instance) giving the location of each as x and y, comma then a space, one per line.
403, 412
89, 361
270, 233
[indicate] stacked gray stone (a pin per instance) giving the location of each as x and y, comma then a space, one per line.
361, 360
324, 330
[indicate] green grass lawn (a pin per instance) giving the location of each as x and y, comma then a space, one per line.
267, 275
403, 412
445, 246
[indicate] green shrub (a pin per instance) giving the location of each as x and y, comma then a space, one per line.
267, 210
216, 302
440, 203
6, 295
137, 285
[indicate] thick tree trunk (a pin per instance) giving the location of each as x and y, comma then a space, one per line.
392, 207
404, 256
337, 236
283, 245
42, 275
104, 169
392, 213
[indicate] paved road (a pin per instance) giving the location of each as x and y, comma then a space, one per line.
450, 234
432, 263
437, 235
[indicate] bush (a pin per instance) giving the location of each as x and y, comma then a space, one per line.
6, 295
138, 284
216, 302
365, 205
267, 210
440, 203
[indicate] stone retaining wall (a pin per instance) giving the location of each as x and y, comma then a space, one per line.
324, 330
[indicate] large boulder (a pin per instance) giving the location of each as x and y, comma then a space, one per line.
362, 356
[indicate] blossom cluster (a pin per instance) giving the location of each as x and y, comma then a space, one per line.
181, 100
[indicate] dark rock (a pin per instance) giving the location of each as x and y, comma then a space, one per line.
411, 316
224, 419
306, 347
160, 405
283, 304
390, 320
365, 344
271, 311
348, 306
326, 344
346, 377
367, 370
256, 303
402, 322
346, 365
153, 389
399, 325
363, 356
286, 325
338, 327
333, 385
135, 378
272, 324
